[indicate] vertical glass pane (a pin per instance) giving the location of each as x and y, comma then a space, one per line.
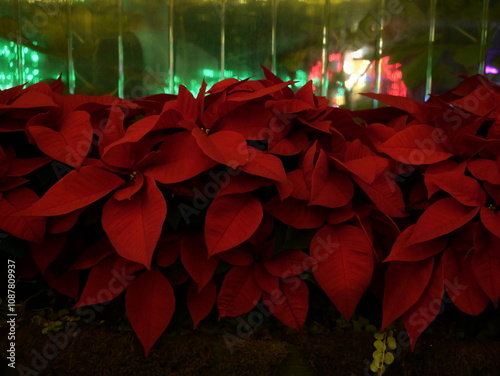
145, 47
95, 25
248, 37
299, 41
197, 41
458, 42
492, 61
352, 52
405, 47
8, 48
44, 40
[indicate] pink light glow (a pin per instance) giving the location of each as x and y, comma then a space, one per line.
490, 70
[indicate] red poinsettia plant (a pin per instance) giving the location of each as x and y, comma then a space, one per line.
242, 190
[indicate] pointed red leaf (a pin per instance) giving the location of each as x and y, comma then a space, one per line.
226, 147
289, 304
200, 303
485, 169
167, 250
179, 159
231, 220
441, 218
385, 194
451, 178
425, 310
332, 191
71, 143
63, 223
21, 167
264, 165
134, 226
267, 282
300, 189
416, 145
46, 252
485, 264
108, 279
296, 213
345, 264
402, 251
21, 226
150, 304
289, 263
75, 190
405, 282
491, 220
134, 133
194, 257
239, 292
94, 254
461, 284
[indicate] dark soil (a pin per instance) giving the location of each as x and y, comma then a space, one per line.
102, 350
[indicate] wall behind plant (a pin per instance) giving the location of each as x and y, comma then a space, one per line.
134, 48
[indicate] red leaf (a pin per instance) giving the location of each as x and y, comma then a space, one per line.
179, 159
107, 280
21, 167
46, 252
65, 222
230, 221
167, 250
485, 170
266, 281
300, 189
134, 133
451, 178
345, 264
75, 190
402, 251
239, 292
367, 168
289, 263
134, 226
296, 213
150, 304
405, 282
200, 303
94, 254
485, 264
441, 218
265, 165
241, 255
226, 147
21, 226
194, 257
491, 220
425, 310
290, 304
416, 145
71, 144
461, 285
385, 194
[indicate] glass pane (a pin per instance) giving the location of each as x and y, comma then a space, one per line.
299, 41
457, 45
146, 47
352, 37
95, 26
492, 69
197, 41
45, 40
8, 48
248, 37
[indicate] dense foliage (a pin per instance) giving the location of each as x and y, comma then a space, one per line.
247, 191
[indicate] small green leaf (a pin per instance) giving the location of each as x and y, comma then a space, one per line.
391, 343
374, 366
389, 358
379, 335
379, 345
371, 329
377, 355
